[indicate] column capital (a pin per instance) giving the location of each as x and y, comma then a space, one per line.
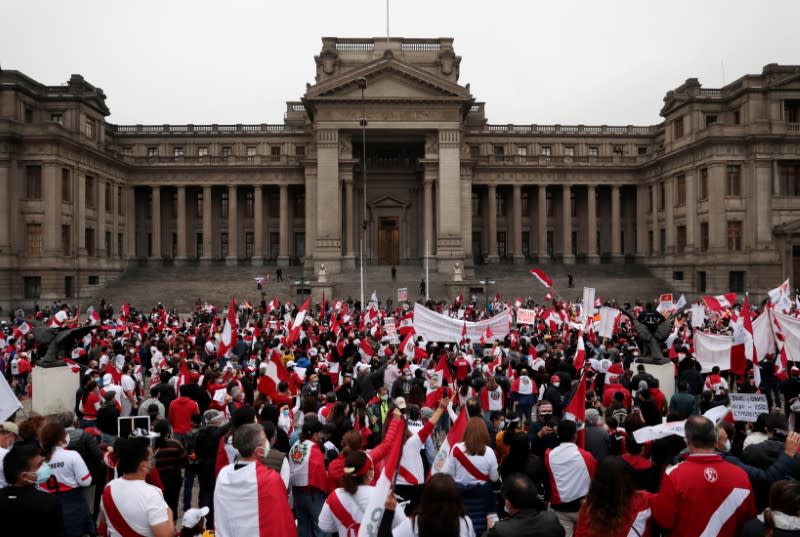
328, 138
449, 138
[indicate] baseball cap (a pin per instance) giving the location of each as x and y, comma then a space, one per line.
290, 364
9, 427
211, 415
400, 403
193, 516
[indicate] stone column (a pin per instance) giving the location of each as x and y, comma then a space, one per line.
449, 236
79, 211
691, 211
566, 223
616, 249
51, 201
283, 248
717, 222
5, 210
208, 238
350, 235
130, 223
114, 219
233, 227
491, 217
762, 205
258, 225
591, 227
100, 219
516, 226
541, 217
328, 241
654, 217
642, 193
310, 222
181, 226
155, 223
669, 214
428, 217
466, 215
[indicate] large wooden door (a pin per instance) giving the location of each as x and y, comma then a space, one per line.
388, 241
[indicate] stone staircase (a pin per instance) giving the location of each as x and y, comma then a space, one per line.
180, 287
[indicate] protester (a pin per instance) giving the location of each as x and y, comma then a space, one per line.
308, 478
9, 433
782, 517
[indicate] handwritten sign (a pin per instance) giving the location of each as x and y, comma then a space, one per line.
526, 316
748, 406
402, 294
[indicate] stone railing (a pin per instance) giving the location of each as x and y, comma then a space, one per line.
543, 160
570, 130
182, 130
713, 93
347, 46
239, 160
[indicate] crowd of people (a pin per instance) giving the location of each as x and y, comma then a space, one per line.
277, 419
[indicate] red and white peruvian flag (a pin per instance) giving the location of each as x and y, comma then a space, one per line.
94, 315
543, 278
487, 335
373, 512
126, 311
438, 379
576, 409
720, 303
580, 353
406, 323
366, 350
21, 330
455, 436
227, 339
294, 333
407, 347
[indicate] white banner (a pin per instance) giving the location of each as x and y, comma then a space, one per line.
662, 430
791, 331
711, 350
698, 315
437, 327
763, 338
607, 317
526, 316
8, 401
588, 304
748, 406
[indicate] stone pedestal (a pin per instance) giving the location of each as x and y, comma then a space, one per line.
316, 289
463, 287
53, 389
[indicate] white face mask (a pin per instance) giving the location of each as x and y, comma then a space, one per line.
727, 446
556, 384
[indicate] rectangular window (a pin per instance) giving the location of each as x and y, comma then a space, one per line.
198, 245
680, 191
474, 151
108, 244
249, 244
677, 275
662, 196
198, 206
91, 199
734, 236
66, 186
791, 111
57, 118
66, 240
547, 152
300, 206
33, 182
274, 205
177, 151
223, 206
522, 150
573, 204
33, 286
34, 240
274, 152
202, 152
550, 243
650, 204
524, 200
703, 194
93, 280
737, 117
274, 245
733, 181
704, 237
680, 239
89, 240
251, 153
710, 119
226, 151
300, 150
249, 201
120, 201
662, 241
677, 128
618, 151
152, 151
790, 179
501, 244
500, 205
569, 151
641, 150
173, 205
476, 205
526, 243
736, 281
701, 281
90, 129
549, 204
650, 242
499, 153
223, 244
28, 115
109, 196
594, 151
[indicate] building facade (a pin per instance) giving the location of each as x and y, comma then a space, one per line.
708, 199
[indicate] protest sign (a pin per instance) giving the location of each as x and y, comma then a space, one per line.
526, 316
748, 406
402, 294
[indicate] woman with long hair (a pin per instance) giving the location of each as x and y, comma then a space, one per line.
440, 513
70, 475
344, 507
613, 507
170, 457
473, 466
782, 517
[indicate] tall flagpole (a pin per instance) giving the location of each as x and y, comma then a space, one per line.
387, 21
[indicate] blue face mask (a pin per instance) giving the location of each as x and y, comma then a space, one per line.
43, 473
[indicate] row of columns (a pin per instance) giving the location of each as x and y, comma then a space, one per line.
565, 225
232, 222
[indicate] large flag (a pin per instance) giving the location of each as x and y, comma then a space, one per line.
294, 333
438, 379
21, 330
227, 340
750, 352
408, 347
373, 512
272, 375
580, 353
366, 350
719, 303
576, 409
543, 278
8, 401
455, 436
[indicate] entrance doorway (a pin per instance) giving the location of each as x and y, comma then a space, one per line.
388, 241
796, 264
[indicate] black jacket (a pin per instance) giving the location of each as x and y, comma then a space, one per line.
528, 522
107, 416
763, 454
28, 511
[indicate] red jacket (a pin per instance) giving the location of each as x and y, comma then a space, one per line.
704, 495
180, 414
638, 517
608, 395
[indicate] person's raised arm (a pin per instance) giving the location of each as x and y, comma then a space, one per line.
392, 434
427, 429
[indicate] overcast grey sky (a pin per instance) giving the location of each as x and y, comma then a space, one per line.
531, 61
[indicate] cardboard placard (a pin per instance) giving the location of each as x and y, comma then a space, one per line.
748, 406
526, 316
402, 294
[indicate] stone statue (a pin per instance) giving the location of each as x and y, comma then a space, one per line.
458, 272
322, 275
58, 343
650, 341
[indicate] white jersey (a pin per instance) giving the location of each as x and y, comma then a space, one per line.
409, 528
140, 504
128, 385
354, 504
69, 472
485, 464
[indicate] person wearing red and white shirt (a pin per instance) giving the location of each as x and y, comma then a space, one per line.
491, 397
703, 495
523, 395
60, 318
308, 478
463, 367
715, 383
570, 469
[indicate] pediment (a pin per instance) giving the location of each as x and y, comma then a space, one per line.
387, 79
387, 202
788, 228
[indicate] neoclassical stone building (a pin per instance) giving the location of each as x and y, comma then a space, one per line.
709, 198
